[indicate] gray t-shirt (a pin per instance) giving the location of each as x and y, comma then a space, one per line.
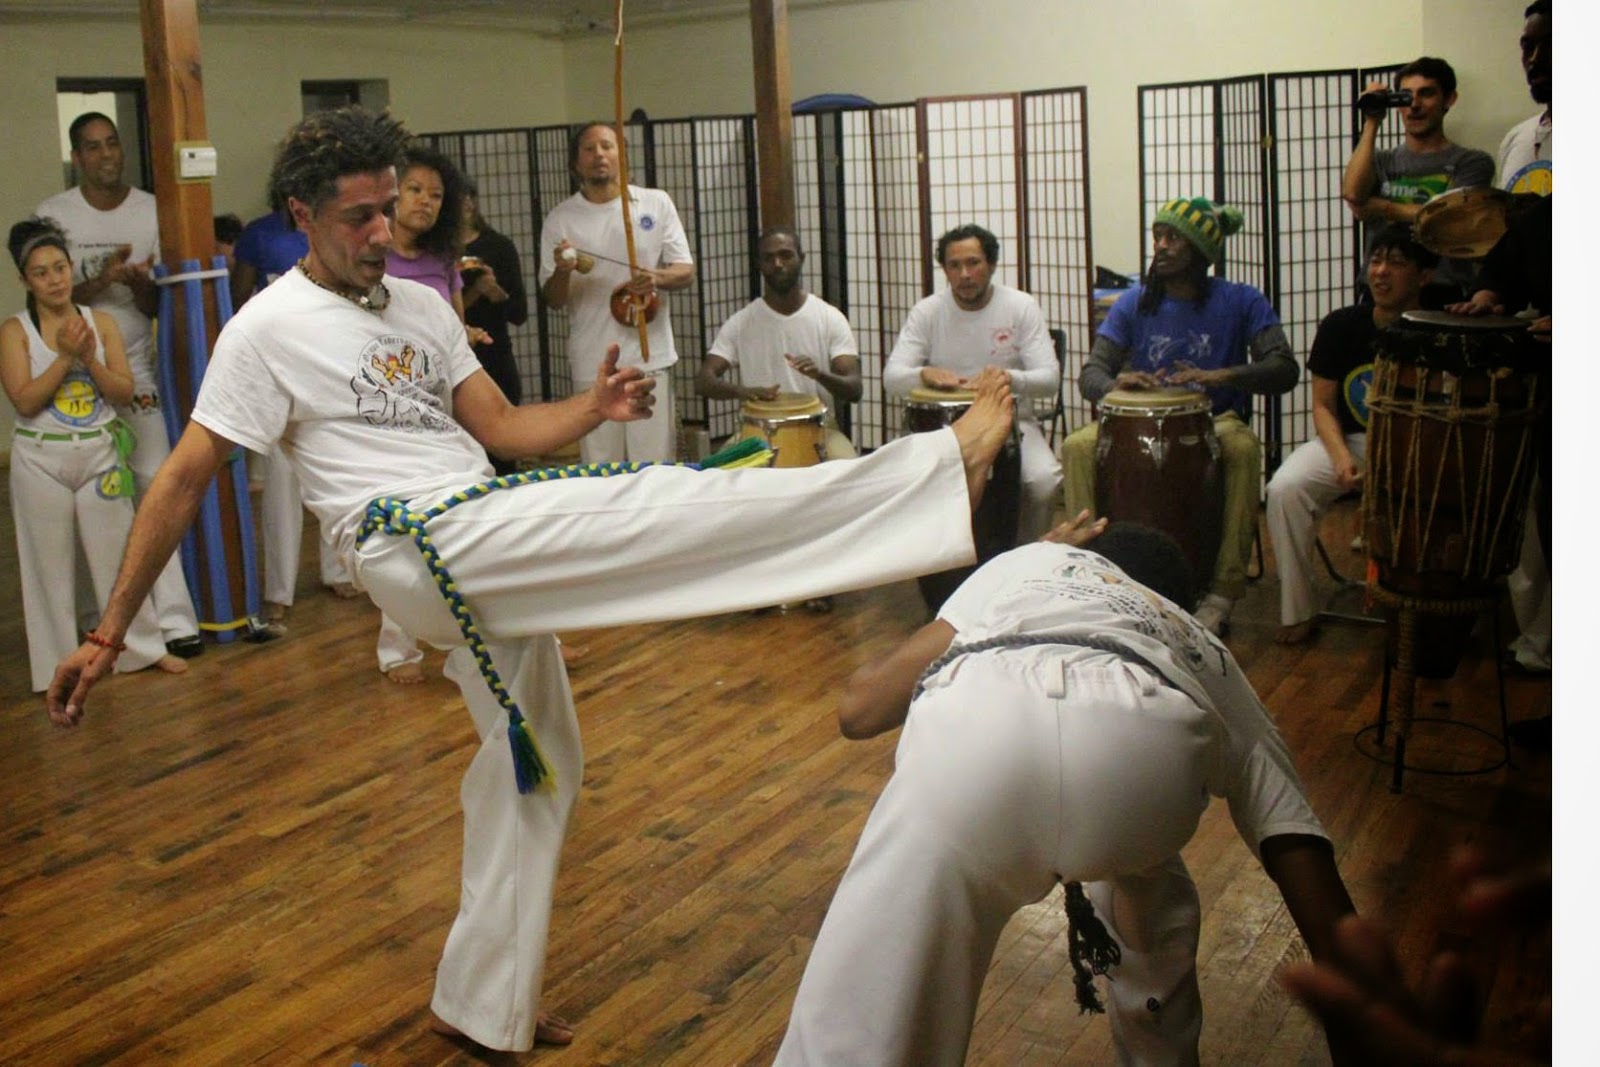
1408, 177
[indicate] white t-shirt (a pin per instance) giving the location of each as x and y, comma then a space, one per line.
1008, 332
360, 399
756, 338
659, 241
92, 236
77, 403
1526, 157
1044, 588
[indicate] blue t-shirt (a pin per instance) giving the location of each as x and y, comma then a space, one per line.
1213, 335
272, 246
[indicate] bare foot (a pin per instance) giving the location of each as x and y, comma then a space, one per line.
344, 590
982, 431
1296, 633
405, 674
571, 655
172, 664
549, 1030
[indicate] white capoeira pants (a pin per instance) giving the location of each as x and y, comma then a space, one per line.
58, 504
1299, 492
1529, 589
170, 595
652, 440
590, 552
1015, 771
283, 517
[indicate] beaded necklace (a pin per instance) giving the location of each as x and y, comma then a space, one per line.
374, 300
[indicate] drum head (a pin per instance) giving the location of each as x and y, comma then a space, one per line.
787, 405
924, 395
1422, 319
1463, 223
1155, 401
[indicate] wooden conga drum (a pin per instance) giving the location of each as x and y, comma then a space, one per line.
994, 523
794, 426
1157, 462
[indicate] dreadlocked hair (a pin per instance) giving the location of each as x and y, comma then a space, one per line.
1090, 948
328, 145
445, 237
1154, 289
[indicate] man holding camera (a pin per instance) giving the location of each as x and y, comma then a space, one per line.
1391, 184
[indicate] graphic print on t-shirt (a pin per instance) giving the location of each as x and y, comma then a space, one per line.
1166, 351
76, 403
397, 384
1356, 386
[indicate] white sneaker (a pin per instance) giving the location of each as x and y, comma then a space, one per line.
1213, 613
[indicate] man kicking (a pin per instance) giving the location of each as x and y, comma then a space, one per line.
384, 413
1064, 721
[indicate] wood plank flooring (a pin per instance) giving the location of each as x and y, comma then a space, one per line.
256, 863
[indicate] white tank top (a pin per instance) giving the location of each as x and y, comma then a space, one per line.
77, 404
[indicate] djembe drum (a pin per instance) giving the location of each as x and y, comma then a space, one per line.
994, 522
1452, 447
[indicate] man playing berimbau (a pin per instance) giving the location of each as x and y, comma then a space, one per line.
374, 393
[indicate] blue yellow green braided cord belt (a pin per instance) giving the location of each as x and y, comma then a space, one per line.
395, 517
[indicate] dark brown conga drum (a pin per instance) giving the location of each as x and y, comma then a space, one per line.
994, 523
1157, 462
1451, 452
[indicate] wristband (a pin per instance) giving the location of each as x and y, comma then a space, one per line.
99, 642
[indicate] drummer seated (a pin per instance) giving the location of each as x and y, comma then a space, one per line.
788, 341
1183, 327
1330, 465
949, 338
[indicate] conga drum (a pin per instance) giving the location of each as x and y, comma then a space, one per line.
794, 426
994, 523
1157, 462
1452, 446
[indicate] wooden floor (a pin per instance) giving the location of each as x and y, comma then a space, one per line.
256, 863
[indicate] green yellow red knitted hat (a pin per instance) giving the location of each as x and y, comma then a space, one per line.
1202, 223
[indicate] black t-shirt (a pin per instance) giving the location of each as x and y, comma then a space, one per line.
1342, 351
500, 254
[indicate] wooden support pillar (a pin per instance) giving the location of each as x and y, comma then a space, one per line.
177, 111
769, 32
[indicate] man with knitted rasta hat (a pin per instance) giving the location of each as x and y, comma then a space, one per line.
1183, 327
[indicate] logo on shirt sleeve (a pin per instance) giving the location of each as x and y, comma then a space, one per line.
1357, 384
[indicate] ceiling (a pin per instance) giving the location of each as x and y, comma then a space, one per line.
562, 18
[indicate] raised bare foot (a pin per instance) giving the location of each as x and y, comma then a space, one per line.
982, 431
1296, 633
573, 654
405, 674
173, 664
344, 590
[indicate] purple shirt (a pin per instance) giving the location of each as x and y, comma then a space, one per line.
436, 271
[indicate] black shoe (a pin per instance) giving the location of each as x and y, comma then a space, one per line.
1531, 734
186, 647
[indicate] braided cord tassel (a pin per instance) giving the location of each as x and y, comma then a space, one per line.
395, 517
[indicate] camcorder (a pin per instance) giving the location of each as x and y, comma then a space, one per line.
1373, 104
